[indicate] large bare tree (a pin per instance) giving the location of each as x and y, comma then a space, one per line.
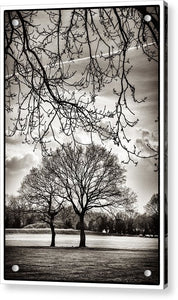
91, 178
58, 62
39, 192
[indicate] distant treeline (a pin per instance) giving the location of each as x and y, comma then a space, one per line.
123, 223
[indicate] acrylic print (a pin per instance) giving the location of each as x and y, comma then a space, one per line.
82, 140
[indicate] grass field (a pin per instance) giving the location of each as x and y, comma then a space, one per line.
72, 240
81, 265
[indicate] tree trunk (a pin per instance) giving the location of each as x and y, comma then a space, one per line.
82, 232
52, 235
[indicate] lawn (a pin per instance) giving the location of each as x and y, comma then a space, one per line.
70, 239
82, 265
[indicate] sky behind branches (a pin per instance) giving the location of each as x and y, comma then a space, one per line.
143, 179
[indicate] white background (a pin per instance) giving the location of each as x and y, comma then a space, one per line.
14, 292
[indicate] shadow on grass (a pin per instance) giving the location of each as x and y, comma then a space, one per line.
74, 264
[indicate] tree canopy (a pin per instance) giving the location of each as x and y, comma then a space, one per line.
89, 178
40, 194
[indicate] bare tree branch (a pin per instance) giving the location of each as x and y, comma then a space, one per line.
49, 96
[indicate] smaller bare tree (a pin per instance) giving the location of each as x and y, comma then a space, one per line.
14, 212
40, 193
152, 207
152, 210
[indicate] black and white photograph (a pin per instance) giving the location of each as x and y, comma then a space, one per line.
82, 145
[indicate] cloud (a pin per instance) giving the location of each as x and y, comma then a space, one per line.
147, 143
16, 164
16, 168
13, 140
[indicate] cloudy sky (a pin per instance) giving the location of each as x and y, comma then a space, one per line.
20, 158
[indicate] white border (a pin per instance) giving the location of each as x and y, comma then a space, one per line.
162, 250
162, 136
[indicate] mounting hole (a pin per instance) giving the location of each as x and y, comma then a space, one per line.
147, 273
15, 268
15, 22
147, 18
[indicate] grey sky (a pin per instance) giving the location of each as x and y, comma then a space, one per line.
142, 179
